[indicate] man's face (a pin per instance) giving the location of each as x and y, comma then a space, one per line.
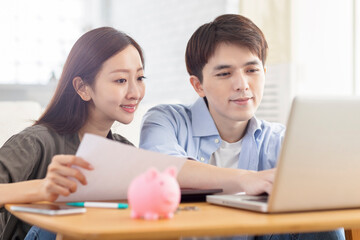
233, 83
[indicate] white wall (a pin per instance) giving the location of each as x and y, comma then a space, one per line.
323, 46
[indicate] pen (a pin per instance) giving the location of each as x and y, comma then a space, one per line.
98, 204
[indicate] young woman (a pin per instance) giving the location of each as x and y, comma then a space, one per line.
102, 82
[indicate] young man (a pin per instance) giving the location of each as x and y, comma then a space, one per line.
225, 59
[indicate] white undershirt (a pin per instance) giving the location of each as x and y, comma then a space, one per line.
227, 155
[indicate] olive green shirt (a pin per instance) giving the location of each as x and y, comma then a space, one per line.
26, 156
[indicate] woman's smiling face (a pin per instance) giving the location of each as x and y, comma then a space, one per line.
118, 87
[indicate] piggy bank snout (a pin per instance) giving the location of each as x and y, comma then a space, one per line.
171, 196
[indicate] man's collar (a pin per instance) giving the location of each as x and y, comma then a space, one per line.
254, 127
202, 122
204, 125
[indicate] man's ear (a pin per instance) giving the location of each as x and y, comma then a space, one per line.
81, 88
197, 85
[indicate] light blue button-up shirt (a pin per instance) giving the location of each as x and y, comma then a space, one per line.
189, 131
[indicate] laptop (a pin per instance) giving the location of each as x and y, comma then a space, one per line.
319, 164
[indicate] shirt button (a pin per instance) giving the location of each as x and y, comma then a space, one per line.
202, 159
217, 141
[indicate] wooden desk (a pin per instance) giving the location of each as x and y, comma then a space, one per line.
210, 220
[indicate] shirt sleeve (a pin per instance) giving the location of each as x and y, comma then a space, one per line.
160, 131
18, 157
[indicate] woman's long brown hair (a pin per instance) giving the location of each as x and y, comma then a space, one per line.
67, 112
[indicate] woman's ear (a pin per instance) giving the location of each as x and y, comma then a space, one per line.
81, 88
197, 85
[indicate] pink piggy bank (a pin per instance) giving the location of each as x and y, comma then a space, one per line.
152, 194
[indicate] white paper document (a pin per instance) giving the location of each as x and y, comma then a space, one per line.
115, 166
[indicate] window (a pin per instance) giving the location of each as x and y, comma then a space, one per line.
36, 37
